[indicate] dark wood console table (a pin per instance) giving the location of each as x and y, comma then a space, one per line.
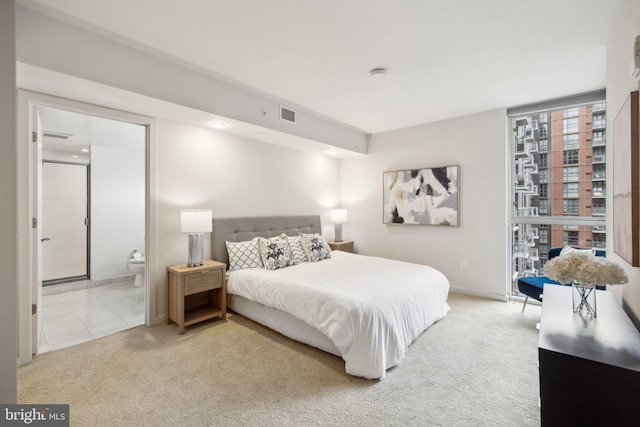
589, 369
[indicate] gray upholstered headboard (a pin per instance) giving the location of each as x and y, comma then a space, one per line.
246, 228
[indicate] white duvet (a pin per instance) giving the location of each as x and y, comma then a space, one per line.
371, 308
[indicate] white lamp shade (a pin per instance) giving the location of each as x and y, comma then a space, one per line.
338, 216
196, 221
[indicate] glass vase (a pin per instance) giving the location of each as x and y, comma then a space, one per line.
584, 300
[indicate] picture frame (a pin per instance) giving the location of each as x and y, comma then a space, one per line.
626, 180
426, 196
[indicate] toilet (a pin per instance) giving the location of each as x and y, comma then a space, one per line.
136, 266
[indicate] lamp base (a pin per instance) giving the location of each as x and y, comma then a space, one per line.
196, 250
338, 236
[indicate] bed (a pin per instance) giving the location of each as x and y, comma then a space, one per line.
367, 310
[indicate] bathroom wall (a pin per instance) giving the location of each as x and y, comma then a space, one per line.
117, 208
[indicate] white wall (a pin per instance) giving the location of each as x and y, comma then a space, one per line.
619, 85
233, 176
478, 145
117, 208
8, 195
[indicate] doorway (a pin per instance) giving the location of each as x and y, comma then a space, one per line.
87, 289
29, 234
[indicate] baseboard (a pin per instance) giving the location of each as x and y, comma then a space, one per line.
487, 295
159, 320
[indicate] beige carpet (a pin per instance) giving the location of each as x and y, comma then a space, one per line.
476, 367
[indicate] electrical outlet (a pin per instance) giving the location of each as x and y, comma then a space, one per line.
463, 264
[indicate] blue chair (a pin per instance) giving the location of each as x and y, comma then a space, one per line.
533, 286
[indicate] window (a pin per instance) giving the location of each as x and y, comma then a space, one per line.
543, 207
599, 154
599, 189
599, 240
598, 120
571, 112
599, 207
570, 157
544, 190
543, 130
599, 171
543, 175
544, 161
559, 199
543, 146
570, 206
571, 125
571, 238
570, 189
598, 137
543, 235
570, 174
570, 140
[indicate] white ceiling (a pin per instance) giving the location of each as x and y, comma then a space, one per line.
444, 58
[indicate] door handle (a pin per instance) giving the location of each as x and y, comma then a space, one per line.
44, 239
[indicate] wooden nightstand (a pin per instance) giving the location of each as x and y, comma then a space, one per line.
195, 294
345, 246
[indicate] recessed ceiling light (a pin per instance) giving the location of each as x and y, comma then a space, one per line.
75, 156
333, 152
218, 125
85, 150
378, 73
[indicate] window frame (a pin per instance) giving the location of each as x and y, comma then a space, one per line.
569, 173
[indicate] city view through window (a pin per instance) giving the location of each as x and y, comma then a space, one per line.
559, 191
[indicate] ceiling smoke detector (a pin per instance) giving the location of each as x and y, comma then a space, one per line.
378, 73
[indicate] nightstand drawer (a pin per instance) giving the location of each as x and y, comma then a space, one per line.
345, 246
202, 281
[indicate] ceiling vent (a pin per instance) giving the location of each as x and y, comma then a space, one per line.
287, 114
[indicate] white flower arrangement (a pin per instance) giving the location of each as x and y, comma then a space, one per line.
585, 269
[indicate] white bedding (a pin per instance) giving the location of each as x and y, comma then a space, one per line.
371, 308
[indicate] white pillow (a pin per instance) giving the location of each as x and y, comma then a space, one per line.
244, 255
297, 253
568, 250
275, 252
315, 247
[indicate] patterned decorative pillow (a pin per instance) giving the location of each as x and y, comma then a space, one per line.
275, 252
297, 253
315, 247
244, 255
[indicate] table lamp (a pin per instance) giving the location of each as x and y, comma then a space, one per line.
338, 216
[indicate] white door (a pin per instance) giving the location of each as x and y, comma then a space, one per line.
64, 221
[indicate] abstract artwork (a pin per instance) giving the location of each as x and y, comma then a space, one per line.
625, 182
426, 196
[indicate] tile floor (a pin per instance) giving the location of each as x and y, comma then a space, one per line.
71, 316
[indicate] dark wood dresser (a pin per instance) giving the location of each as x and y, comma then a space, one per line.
589, 369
